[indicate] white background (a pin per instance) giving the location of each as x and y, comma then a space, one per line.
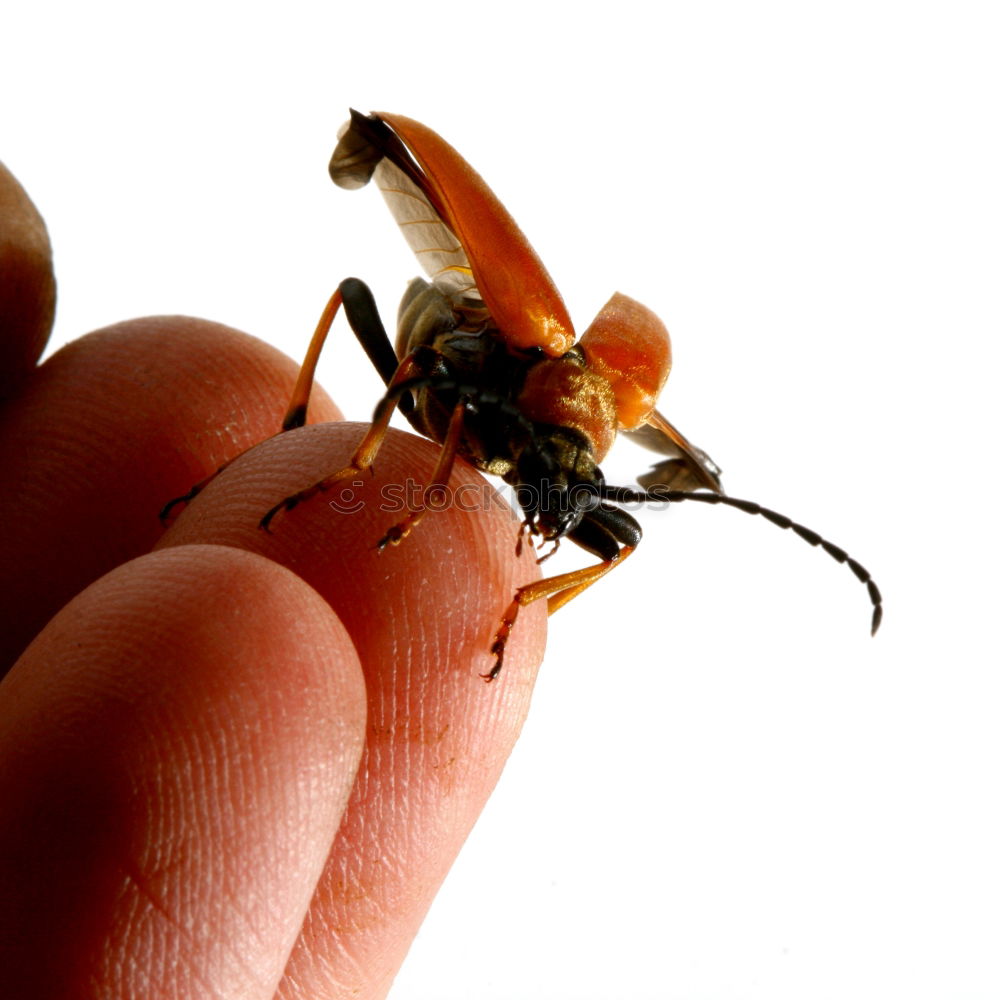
726, 789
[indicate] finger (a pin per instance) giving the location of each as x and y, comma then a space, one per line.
178, 745
27, 284
422, 616
107, 431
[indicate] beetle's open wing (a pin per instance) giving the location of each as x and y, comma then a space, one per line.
464, 237
368, 150
687, 467
434, 244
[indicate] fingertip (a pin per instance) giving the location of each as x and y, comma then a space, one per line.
179, 745
105, 433
423, 615
27, 284
444, 586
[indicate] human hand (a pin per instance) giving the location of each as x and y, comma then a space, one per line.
234, 764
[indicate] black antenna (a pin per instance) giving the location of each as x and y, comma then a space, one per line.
622, 494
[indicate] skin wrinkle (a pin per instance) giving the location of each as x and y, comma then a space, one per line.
143, 883
170, 869
145, 873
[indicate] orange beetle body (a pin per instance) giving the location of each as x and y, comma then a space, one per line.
485, 364
488, 275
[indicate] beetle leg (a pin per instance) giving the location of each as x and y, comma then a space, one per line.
295, 415
362, 313
559, 590
191, 493
439, 479
364, 454
550, 553
587, 577
526, 528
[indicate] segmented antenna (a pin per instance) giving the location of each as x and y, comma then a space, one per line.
621, 494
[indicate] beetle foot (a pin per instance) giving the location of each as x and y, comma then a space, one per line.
289, 503
497, 650
190, 495
394, 535
500, 640
185, 500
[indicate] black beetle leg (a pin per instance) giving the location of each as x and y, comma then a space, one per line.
439, 479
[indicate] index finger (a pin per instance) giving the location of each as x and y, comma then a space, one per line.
422, 616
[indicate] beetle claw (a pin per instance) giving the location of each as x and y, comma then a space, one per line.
171, 504
393, 536
265, 521
496, 650
500, 641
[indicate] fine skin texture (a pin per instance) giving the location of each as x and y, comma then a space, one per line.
234, 764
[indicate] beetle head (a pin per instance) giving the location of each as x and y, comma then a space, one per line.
558, 481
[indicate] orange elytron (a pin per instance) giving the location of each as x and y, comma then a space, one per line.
486, 364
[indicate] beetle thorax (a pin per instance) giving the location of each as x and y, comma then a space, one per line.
563, 392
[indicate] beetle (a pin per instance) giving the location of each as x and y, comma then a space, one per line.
486, 363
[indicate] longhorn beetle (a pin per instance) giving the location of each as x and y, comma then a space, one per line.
486, 364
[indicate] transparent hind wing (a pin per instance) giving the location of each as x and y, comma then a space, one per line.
687, 467
466, 240
436, 247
